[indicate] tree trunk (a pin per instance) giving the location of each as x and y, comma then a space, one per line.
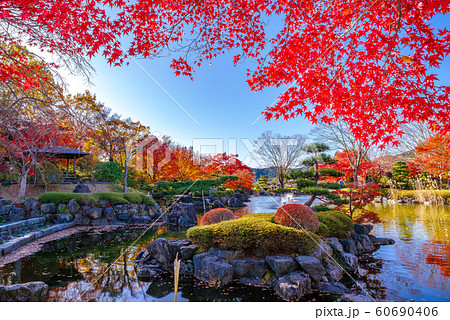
316, 176
281, 179
355, 174
23, 184
125, 175
310, 201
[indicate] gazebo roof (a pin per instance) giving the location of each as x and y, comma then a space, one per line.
61, 152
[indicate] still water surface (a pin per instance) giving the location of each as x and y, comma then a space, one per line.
96, 266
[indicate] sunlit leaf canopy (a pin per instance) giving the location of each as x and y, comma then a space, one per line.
370, 63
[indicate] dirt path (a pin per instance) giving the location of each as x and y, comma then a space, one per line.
36, 245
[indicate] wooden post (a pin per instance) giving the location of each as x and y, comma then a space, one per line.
67, 165
74, 164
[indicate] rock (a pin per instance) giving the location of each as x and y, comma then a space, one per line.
5, 209
235, 202
5, 202
123, 209
122, 216
335, 245
322, 251
35, 213
63, 218
82, 220
81, 188
333, 288
224, 253
180, 243
349, 246
182, 215
109, 214
293, 286
140, 220
333, 270
185, 269
73, 207
363, 243
256, 282
24, 292
386, 241
48, 208
99, 222
282, 264
103, 203
349, 262
362, 228
154, 211
212, 270
366, 258
94, 213
17, 214
217, 204
312, 266
145, 272
375, 241
133, 212
249, 267
31, 204
187, 252
161, 251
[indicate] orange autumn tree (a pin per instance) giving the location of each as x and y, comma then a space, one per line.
182, 166
434, 157
223, 164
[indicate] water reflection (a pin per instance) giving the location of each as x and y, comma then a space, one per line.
417, 267
97, 267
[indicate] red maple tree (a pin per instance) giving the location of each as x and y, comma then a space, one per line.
347, 167
367, 62
433, 157
224, 164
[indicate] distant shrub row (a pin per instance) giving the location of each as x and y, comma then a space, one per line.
92, 198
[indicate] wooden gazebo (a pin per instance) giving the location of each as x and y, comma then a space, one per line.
60, 152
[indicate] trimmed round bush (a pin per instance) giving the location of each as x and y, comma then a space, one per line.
334, 224
253, 233
297, 216
216, 216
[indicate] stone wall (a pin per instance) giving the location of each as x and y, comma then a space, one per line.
103, 213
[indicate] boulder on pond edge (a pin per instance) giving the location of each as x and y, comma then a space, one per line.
24, 292
212, 270
293, 286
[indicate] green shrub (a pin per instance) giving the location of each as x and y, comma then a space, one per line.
321, 208
112, 197
136, 197
48, 173
224, 193
84, 199
334, 224
330, 185
251, 232
87, 199
108, 171
303, 183
283, 190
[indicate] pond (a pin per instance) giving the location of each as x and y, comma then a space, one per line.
98, 266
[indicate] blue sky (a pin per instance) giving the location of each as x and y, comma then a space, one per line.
218, 99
